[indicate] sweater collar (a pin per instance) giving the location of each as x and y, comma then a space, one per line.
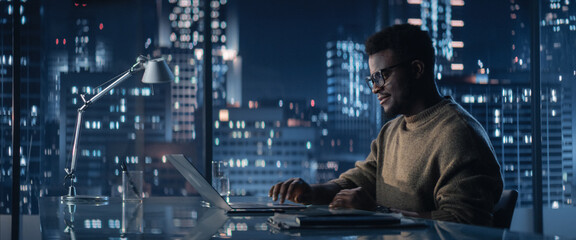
427, 114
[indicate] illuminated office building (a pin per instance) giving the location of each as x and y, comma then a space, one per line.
56, 62
133, 113
443, 20
181, 40
354, 116
504, 110
86, 50
261, 146
558, 85
70, 47
80, 41
31, 121
520, 36
558, 31
300, 113
184, 95
504, 106
56, 38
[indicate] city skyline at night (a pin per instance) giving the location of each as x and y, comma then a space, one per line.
289, 93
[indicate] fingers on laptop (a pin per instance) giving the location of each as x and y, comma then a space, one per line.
291, 189
353, 198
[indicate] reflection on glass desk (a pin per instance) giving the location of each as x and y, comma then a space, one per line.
186, 218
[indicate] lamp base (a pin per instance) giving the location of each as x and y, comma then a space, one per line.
84, 199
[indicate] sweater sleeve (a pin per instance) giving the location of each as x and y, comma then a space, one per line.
363, 174
470, 183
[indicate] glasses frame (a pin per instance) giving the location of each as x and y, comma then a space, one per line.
379, 77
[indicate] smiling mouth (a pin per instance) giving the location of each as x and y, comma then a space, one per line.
383, 98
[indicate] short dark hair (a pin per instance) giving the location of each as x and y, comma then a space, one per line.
406, 41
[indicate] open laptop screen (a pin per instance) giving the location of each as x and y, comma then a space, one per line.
210, 194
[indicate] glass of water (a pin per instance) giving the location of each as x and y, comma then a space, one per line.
220, 180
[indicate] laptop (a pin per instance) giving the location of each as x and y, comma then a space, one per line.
205, 189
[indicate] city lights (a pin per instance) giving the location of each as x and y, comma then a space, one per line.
274, 134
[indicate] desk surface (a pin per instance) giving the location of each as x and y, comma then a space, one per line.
185, 218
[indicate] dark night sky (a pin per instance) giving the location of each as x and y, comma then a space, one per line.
486, 34
283, 44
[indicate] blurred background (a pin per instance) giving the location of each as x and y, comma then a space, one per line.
284, 94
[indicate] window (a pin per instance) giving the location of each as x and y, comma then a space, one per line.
287, 97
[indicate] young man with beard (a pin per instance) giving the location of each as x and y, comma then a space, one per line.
434, 160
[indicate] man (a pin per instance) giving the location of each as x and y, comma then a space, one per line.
432, 161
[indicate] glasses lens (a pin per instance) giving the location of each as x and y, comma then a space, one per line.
369, 82
377, 79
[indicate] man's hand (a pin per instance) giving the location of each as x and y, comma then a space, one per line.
357, 198
293, 189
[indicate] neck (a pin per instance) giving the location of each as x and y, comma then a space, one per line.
423, 101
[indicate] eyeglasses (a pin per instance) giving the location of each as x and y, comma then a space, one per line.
379, 78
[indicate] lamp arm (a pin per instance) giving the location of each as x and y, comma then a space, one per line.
135, 68
75, 144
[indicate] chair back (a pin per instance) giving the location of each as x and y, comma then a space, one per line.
504, 209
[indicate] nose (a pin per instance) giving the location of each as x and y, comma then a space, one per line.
375, 88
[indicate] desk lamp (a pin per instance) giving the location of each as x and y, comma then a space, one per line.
155, 71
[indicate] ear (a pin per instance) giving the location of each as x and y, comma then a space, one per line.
418, 68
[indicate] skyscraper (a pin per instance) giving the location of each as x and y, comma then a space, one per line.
133, 112
503, 104
442, 19
520, 35
503, 109
262, 146
72, 34
353, 113
354, 116
181, 40
85, 47
31, 122
558, 31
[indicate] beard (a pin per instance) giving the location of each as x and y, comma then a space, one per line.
393, 111
399, 103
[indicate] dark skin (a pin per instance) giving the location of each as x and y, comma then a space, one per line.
408, 91
298, 191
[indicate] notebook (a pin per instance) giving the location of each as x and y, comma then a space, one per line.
205, 189
322, 217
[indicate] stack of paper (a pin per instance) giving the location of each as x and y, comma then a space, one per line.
326, 218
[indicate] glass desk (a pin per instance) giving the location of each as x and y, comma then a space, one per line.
186, 218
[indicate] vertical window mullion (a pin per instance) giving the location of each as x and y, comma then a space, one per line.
16, 82
536, 115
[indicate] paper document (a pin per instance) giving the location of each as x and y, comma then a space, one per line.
327, 218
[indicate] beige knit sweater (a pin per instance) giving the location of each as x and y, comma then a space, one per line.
439, 161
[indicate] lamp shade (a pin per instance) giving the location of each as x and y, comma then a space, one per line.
157, 71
